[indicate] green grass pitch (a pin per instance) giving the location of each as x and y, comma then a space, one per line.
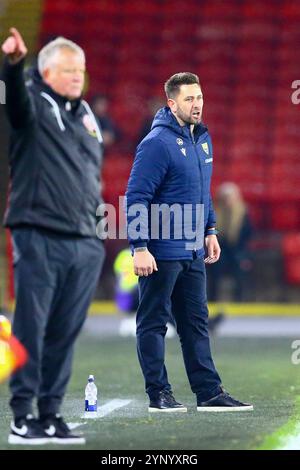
258, 370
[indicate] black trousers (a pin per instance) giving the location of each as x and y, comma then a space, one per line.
178, 287
55, 279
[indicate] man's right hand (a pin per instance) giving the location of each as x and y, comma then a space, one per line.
144, 263
14, 47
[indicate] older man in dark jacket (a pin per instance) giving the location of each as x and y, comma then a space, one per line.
171, 174
54, 159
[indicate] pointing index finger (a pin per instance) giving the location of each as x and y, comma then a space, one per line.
16, 35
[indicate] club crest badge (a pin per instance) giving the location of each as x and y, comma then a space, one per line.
205, 147
89, 125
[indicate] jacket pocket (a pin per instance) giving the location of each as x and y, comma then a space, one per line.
21, 241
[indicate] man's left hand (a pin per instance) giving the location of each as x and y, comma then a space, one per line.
213, 249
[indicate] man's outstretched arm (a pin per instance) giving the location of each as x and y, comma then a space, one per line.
17, 102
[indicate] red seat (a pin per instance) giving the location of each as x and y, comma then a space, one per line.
291, 10
284, 168
257, 9
292, 153
250, 91
97, 7
221, 10
178, 10
139, 7
261, 29
62, 7
291, 257
132, 50
292, 270
285, 217
213, 28
283, 189
291, 244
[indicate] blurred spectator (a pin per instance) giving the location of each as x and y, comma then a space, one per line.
153, 105
235, 231
126, 291
109, 130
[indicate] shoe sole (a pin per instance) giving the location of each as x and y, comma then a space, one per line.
223, 409
18, 440
70, 440
167, 410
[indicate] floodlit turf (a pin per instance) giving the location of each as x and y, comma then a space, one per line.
255, 370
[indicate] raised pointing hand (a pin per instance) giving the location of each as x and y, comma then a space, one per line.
14, 46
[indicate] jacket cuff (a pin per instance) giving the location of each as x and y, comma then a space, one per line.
12, 69
211, 231
138, 244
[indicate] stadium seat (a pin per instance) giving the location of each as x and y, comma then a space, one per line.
291, 257
285, 217
262, 10
254, 125
291, 10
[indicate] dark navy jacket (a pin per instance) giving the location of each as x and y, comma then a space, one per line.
54, 157
171, 167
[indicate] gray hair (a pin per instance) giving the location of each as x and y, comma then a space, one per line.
47, 53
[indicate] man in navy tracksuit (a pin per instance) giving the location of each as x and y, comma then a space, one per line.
173, 167
54, 159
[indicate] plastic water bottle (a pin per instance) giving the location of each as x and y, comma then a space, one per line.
91, 396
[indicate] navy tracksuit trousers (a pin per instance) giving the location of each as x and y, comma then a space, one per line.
55, 279
178, 287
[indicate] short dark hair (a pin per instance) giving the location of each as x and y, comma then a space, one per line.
173, 84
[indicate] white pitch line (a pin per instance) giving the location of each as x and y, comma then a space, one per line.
75, 425
111, 406
108, 408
